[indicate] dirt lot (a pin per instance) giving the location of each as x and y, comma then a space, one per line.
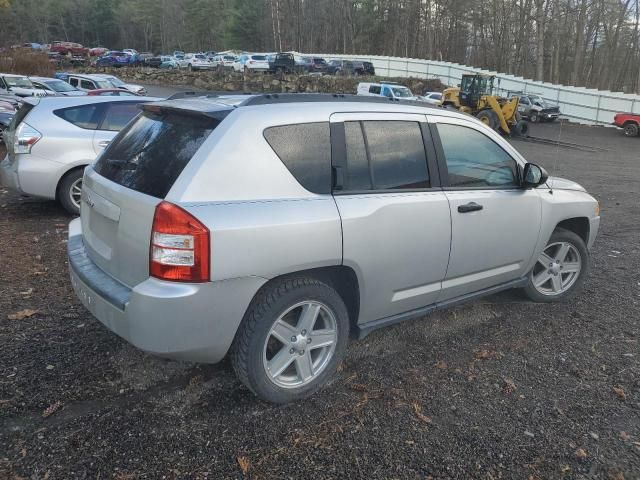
500, 388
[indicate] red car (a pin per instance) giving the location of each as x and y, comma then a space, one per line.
630, 122
112, 92
65, 47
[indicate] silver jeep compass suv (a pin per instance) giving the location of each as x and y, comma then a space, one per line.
273, 227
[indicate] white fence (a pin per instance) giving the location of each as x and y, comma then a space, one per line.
577, 104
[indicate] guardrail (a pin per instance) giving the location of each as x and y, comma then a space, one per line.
578, 104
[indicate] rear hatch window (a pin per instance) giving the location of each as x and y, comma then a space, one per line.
151, 152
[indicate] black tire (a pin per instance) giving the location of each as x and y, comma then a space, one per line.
631, 129
489, 118
566, 236
64, 191
190, 68
248, 349
534, 117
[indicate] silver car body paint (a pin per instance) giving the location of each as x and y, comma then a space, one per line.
408, 250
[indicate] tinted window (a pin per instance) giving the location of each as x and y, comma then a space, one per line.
305, 149
118, 115
474, 160
374, 89
84, 116
151, 152
87, 85
73, 81
358, 173
396, 157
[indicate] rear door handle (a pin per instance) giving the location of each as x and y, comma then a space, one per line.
103, 143
469, 207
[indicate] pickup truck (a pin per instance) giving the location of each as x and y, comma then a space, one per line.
282, 62
629, 122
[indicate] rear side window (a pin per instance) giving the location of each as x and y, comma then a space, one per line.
305, 149
385, 155
84, 116
87, 85
151, 152
118, 115
374, 89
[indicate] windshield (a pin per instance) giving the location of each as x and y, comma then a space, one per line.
23, 82
402, 92
537, 99
103, 84
116, 82
60, 86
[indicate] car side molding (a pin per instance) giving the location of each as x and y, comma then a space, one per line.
366, 328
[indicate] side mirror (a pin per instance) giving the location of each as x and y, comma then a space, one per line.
533, 175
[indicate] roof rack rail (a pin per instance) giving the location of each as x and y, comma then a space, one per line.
271, 98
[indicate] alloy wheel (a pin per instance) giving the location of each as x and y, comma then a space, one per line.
300, 344
557, 269
75, 192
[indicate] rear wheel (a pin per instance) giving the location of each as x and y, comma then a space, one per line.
489, 118
560, 268
631, 129
291, 340
70, 190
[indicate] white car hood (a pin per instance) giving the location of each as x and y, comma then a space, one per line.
27, 92
132, 87
564, 184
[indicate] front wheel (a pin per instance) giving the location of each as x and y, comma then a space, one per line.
291, 340
560, 269
533, 117
631, 130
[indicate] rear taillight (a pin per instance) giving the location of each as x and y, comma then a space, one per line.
25, 138
179, 246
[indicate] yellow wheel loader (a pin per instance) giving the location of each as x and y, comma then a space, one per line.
475, 97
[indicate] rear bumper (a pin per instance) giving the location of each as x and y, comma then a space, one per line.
31, 175
194, 322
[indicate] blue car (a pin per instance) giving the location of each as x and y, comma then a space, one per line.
116, 59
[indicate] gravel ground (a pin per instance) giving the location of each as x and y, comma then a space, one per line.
500, 388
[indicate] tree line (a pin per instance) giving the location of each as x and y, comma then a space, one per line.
593, 43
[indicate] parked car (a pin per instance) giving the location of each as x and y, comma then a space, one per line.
629, 122
315, 65
535, 109
368, 68
210, 54
179, 54
252, 243
117, 83
224, 61
169, 62
144, 56
85, 82
281, 63
55, 86
153, 62
341, 67
111, 92
433, 98
251, 63
66, 48
19, 85
52, 139
116, 59
8, 107
198, 61
391, 90
97, 51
